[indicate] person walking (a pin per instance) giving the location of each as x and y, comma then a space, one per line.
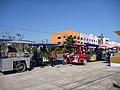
52, 56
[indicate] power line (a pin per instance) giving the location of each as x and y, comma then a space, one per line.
23, 29
26, 29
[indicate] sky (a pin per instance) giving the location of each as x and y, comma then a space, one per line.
37, 19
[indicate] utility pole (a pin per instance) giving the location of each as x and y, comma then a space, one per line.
102, 38
46, 41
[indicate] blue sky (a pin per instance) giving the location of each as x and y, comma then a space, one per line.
43, 17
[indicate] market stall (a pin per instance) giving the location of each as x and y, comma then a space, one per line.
104, 49
91, 52
12, 55
41, 54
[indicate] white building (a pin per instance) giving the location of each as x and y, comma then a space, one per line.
106, 40
93, 39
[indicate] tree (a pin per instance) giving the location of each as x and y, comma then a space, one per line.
8, 35
19, 36
69, 43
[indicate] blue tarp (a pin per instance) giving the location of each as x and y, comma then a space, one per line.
88, 44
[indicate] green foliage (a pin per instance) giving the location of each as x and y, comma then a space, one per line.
59, 50
27, 48
69, 43
33, 49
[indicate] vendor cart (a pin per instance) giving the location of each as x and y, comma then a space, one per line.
80, 56
91, 51
14, 58
41, 54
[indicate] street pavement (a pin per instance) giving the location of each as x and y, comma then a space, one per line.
94, 76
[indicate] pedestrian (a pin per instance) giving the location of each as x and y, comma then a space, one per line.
108, 56
52, 56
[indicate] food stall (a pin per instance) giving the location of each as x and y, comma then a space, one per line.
104, 49
12, 55
91, 52
41, 55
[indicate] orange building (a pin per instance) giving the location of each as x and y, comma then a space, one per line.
59, 37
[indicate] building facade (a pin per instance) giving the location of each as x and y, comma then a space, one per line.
106, 40
92, 39
59, 37
86, 38
81, 38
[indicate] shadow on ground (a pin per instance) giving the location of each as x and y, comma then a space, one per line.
9, 72
116, 86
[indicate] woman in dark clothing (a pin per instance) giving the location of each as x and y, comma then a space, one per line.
108, 56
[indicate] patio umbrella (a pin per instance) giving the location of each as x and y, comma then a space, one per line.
117, 32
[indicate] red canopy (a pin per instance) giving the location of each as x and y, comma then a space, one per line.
106, 46
79, 44
116, 46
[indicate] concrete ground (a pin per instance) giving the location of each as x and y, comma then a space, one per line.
95, 76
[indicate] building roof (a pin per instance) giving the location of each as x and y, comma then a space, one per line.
2, 40
16, 41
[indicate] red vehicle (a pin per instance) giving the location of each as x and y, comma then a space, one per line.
66, 58
79, 57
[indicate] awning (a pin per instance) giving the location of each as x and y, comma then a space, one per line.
45, 44
20, 42
93, 45
117, 32
78, 44
106, 46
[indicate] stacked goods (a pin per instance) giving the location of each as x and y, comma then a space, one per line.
12, 55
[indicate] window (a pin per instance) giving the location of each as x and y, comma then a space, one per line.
94, 40
78, 41
78, 38
81, 38
59, 37
70, 35
64, 36
74, 37
89, 39
59, 42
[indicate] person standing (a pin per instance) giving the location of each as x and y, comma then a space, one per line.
108, 56
52, 56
